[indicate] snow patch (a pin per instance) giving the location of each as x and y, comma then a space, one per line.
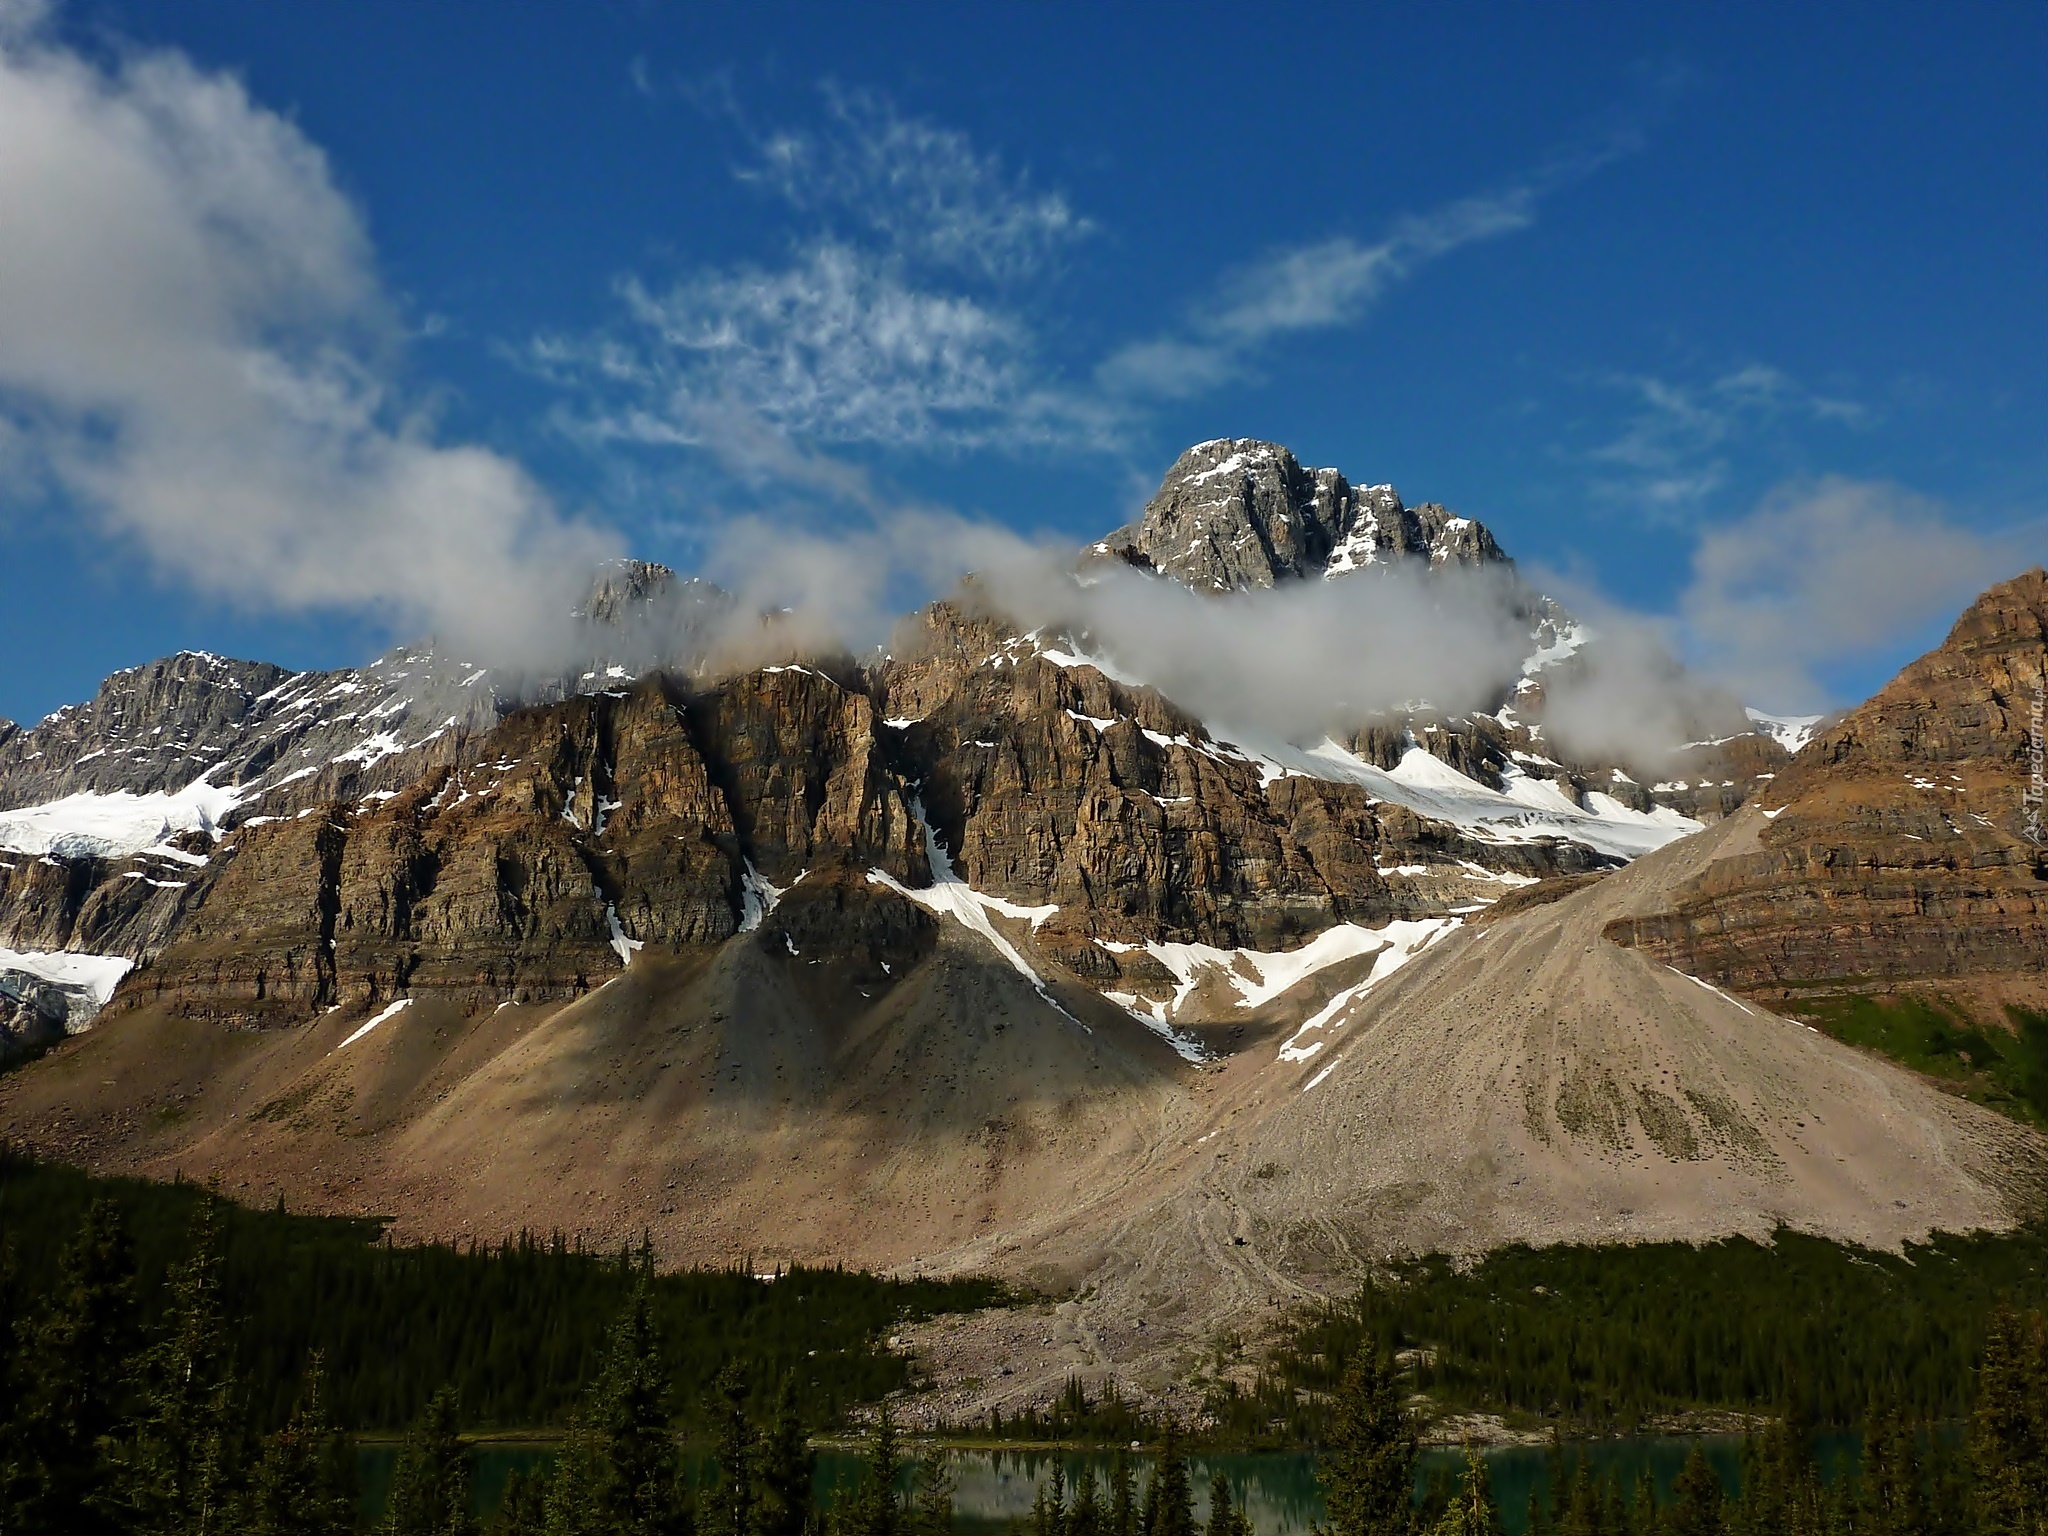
1405, 939
1791, 732
91, 825
389, 1013
98, 975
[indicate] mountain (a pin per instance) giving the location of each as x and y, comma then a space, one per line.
1898, 855
976, 953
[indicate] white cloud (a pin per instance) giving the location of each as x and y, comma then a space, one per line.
838, 347
1673, 451
924, 190
194, 344
1826, 573
1325, 285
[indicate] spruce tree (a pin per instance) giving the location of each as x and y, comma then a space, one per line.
79, 1400
192, 1454
1367, 1467
727, 1509
1225, 1518
1123, 1502
1893, 1502
523, 1511
304, 1480
784, 1470
636, 1484
1169, 1501
872, 1510
2008, 1436
1471, 1510
1696, 1500
1085, 1515
932, 1512
430, 1488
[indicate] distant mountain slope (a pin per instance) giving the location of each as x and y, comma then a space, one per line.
1897, 852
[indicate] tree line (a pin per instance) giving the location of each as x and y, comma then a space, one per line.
1602, 1338
1912, 1478
515, 1328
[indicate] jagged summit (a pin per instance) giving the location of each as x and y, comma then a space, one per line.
1235, 512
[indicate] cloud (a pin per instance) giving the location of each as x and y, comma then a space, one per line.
838, 347
1826, 573
195, 348
923, 190
1326, 284
888, 324
1672, 453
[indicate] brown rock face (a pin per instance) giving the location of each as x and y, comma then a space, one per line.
1899, 848
501, 876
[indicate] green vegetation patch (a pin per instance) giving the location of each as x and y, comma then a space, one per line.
2005, 1069
1604, 1338
515, 1329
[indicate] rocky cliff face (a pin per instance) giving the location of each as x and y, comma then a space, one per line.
269, 844
1238, 513
1898, 850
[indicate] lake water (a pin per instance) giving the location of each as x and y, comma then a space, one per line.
994, 1488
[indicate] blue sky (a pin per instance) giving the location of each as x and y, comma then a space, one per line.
1732, 316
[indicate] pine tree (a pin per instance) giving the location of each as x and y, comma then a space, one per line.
303, 1483
728, 1508
872, 1510
1169, 1501
635, 1487
784, 1470
1471, 1511
1123, 1502
1892, 1502
77, 1407
430, 1488
1225, 1518
932, 1513
1696, 1500
1085, 1515
2008, 1436
193, 1451
1367, 1468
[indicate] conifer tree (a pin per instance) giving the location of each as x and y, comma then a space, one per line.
192, 1453
636, 1485
2008, 1435
1123, 1503
1225, 1518
1892, 1502
873, 1510
79, 1397
1085, 1515
1169, 1501
727, 1508
1367, 1468
523, 1511
932, 1513
430, 1488
784, 1470
1696, 1499
1471, 1510
303, 1483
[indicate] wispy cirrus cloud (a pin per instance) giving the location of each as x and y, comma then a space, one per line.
923, 190
1325, 285
1674, 449
892, 321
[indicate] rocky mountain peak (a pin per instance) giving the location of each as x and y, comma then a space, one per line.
1236, 512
